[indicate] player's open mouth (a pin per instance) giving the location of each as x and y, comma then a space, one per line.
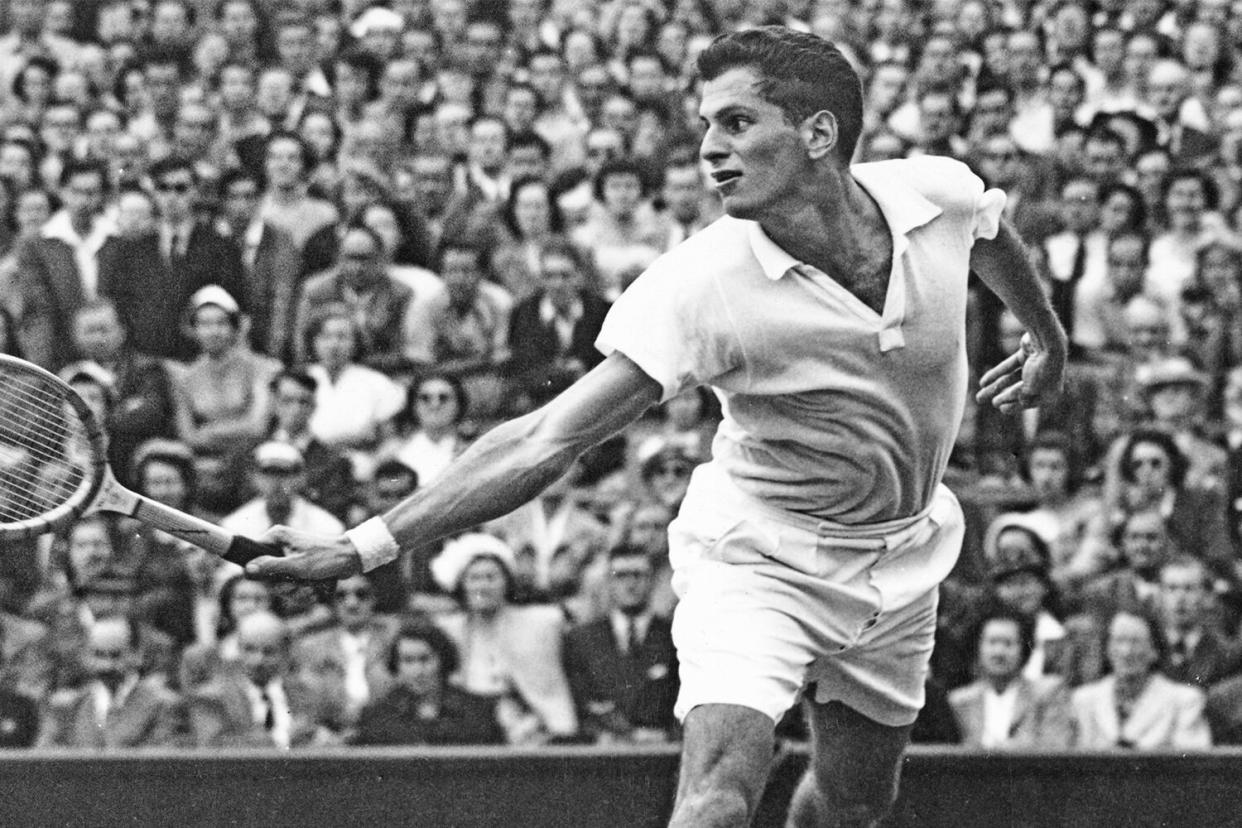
725, 179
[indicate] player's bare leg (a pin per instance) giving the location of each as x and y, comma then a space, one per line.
726, 755
854, 769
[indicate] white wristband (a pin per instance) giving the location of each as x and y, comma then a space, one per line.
375, 544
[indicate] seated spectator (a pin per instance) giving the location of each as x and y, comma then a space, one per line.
354, 404
376, 303
471, 327
622, 669
265, 703
1005, 709
1143, 547
19, 720
1135, 706
226, 401
329, 473
624, 232
511, 654
1176, 394
1018, 565
25, 663
359, 639
435, 409
552, 332
1198, 650
422, 707
203, 661
118, 707
664, 475
145, 404
392, 483
531, 218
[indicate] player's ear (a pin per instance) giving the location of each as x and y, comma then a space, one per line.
820, 133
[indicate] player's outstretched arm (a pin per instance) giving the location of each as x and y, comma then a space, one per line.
503, 469
1036, 371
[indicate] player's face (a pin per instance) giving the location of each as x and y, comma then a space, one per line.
756, 157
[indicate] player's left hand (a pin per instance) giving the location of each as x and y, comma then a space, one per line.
307, 557
1030, 377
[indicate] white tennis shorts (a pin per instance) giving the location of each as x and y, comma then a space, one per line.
771, 601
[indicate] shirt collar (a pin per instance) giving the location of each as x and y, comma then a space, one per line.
904, 209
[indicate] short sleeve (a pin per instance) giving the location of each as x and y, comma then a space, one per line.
672, 323
988, 208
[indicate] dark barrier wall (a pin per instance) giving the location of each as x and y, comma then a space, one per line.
588, 788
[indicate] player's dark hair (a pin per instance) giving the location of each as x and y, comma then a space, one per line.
799, 72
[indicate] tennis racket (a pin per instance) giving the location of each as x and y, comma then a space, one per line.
54, 469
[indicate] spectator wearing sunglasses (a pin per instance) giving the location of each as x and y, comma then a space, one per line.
359, 639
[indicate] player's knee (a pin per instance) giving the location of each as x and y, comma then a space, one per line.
713, 805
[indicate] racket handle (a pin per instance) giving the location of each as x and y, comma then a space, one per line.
242, 551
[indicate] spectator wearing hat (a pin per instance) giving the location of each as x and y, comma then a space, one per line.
145, 404
280, 478
118, 707
225, 396
1004, 709
1018, 568
422, 707
510, 654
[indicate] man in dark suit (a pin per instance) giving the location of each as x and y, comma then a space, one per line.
329, 474
273, 264
151, 273
118, 707
1197, 652
622, 669
552, 332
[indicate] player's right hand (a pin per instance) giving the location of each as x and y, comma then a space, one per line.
307, 557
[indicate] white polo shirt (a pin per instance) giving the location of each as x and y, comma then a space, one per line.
829, 408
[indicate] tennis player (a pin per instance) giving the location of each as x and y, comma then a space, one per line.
827, 310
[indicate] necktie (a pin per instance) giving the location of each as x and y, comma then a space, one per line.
269, 716
1063, 291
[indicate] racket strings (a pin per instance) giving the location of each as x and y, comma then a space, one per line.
45, 450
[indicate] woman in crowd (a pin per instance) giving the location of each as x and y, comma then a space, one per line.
435, 409
1135, 706
354, 405
238, 596
422, 708
226, 402
531, 217
510, 654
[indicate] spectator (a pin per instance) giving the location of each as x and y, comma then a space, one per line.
435, 410
359, 639
472, 328
688, 208
1135, 706
224, 392
1132, 578
270, 260
118, 707
624, 233
512, 654
532, 219
422, 707
58, 271
622, 669
1198, 652
287, 204
1176, 395
1004, 709
354, 404
204, 661
1076, 257
378, 304
329, 473
25, 666
552, 332
265, 703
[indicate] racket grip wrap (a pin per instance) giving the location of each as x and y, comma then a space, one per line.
244, 550
375, 544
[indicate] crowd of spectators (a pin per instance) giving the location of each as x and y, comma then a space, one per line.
297, 254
